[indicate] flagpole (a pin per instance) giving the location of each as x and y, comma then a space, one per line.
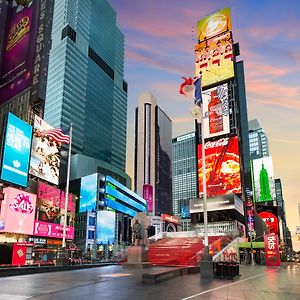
67, 191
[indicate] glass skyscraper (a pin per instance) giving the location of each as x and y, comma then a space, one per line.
184, 168
86, 84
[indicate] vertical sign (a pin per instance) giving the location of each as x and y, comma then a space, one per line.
148, 196
272, 250
16, 152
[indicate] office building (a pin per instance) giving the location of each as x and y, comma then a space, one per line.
258, 140
153, 155
184, 171
86, 85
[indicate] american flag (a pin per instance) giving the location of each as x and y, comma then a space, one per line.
57, 135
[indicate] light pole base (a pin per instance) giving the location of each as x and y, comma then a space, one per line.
206, 266
63, 260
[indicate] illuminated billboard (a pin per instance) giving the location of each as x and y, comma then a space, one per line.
17, 211
148, 196
16, 154
271, 221
52, 230
216, 111
214, 24
18, 49
214, 60
88, 193
106, 227
222, 167
263, 177
45, 153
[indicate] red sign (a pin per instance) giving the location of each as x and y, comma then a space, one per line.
169, 218
222, 167
271, 221
272, 250
19, 253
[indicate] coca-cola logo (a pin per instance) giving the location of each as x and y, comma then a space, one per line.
218, 143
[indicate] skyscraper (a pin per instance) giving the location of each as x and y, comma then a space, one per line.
258, 140
153, 153
184, 170
86, 84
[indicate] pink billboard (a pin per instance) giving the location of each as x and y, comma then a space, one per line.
52, 230
17, 211
148, 196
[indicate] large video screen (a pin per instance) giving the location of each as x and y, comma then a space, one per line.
214, 24
214, 60
18, 50
45, 153
216, 111
16, 154
222, 167
88, 193
263, 176
106, 227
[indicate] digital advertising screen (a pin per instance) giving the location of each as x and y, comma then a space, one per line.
185, 212
214, 24
148, 196
19, 48
263, 177
214, 60
106, 227
269, 215
216, 111
88, 193
52, 230
16, 154
17, 211
45, 153
222, 167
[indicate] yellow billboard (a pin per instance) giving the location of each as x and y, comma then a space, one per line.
214, 24
214, 59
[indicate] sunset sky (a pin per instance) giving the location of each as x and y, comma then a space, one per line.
159, 49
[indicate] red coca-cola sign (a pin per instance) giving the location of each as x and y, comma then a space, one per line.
222, 167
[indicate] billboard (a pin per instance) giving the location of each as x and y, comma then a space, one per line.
222, 167
16, 154
216, 111
18, 48
52, 230
51, 204
263, 177
148, 196
88, 193
45, 153
272, 250
106, 227
214, 24
214, 59
17, 211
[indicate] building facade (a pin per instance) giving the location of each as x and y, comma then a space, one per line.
184, 170
85, 81
153, 154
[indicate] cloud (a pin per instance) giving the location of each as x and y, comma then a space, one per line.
285, 141
183, 120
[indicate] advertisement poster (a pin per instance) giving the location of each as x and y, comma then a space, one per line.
52, 230
106, 227
272, 250
17, 211
16, 154
214, 24
45, 153
263, 176
214, 60
271, 221
216, 111
18, 51
222, 167
148, 196
88, 193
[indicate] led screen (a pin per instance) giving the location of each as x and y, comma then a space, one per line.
216, 111
214, 24
18, 49
106, 227
214, 60
16, 153
17, 211
271, 221
88, 193
185, 212
263, 177
45, 153
222, 167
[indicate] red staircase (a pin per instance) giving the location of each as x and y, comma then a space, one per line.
177, 251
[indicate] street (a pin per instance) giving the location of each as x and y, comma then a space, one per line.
116, 282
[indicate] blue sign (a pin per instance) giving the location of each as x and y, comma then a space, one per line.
16, 152
106, 227
88, 193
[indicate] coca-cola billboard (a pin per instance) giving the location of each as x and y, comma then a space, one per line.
222, 167
216, 111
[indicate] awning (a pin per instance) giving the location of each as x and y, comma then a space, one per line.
255, 245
